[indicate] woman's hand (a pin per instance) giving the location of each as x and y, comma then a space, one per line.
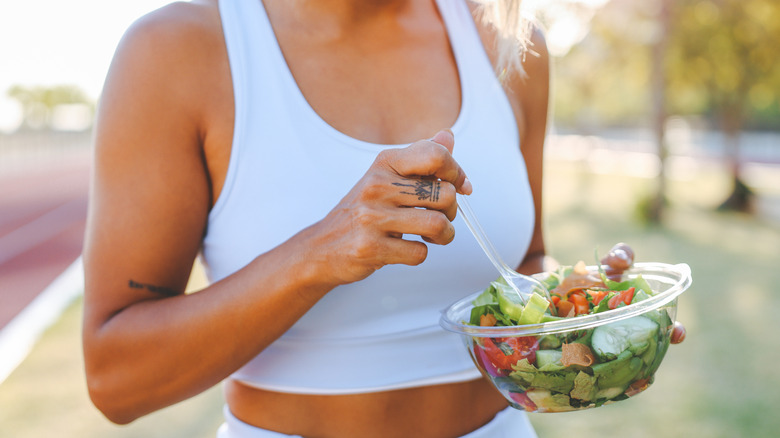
405, 191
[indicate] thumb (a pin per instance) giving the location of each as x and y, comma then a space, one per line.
446, 138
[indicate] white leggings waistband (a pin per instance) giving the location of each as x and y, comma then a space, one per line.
509, 423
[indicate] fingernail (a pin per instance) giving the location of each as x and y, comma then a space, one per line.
436, 138
466, 188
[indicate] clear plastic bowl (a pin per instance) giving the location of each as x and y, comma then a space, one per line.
540, 383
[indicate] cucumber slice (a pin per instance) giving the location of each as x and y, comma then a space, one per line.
634, 334
534, 310
544, 357
512, 305
508, 301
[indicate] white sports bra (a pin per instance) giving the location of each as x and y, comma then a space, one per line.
288, 168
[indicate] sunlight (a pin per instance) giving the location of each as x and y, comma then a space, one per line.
48, 42
10, 114
567, 22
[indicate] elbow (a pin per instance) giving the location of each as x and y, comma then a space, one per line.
110, 389
107, 399
109, 381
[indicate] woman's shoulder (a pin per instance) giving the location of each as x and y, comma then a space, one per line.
176, 24
170, 52
162, 64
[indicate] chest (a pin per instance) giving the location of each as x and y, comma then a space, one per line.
391, 93
386, 84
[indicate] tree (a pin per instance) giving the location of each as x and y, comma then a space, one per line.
38, 103
722, 60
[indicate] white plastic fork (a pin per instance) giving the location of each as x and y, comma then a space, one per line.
522, 284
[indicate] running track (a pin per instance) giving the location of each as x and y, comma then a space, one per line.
43, 209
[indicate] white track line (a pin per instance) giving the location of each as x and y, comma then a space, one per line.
19, 336
39, 230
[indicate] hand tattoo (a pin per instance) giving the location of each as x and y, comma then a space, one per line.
168, 292
423, 189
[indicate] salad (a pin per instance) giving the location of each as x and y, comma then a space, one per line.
580, 368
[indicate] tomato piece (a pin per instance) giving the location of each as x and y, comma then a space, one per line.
596, 296
505, 352
624, 297
581, 306
524, 348
485, 359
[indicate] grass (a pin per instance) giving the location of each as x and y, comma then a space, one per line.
46, 396
722, 382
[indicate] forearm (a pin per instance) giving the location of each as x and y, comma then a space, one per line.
157, 352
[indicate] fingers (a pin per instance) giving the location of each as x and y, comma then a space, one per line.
407, 191
405, 252
428, 158
432, 226
678, 333
426, 193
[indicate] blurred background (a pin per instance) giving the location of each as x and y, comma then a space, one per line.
665, 135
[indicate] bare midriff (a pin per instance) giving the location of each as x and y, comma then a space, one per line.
447, 410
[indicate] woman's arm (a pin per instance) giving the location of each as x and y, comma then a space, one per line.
148, 345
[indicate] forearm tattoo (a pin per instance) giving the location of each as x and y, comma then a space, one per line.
423, 189
168, 292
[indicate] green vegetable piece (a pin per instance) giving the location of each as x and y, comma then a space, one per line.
555, 277
534, 310
523, 372
640, 295
618, 372
582, 337
633, 334
661, 317
548, 401
604, 303
584, 387
551, 376
549, 342
648, 357
642, 284
492, 309
609, 393
561, 382
663, 345
513, 307
488, 296
544, 357
508, 300
638, 283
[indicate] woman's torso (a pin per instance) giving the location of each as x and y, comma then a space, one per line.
367, 112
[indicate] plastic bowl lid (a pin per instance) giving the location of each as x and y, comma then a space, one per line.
667, 281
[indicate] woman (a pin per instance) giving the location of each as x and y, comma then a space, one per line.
279, 140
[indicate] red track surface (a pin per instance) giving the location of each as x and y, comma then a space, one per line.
43, 211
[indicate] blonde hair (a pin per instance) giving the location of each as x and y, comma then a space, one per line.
512, 30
